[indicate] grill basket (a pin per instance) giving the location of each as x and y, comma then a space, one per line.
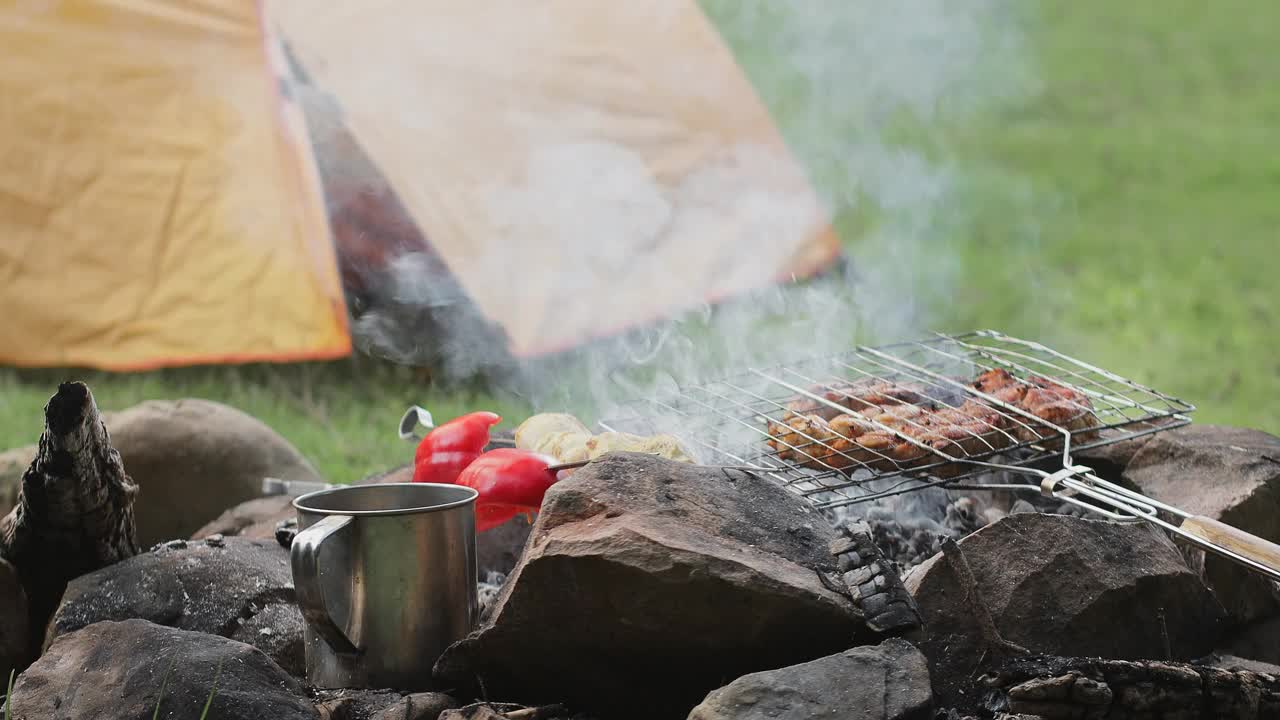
728, 421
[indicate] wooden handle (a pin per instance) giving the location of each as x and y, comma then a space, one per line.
1237, 541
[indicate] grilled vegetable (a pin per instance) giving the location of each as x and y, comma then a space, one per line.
568, 440
449, 448
510, 482
538, 427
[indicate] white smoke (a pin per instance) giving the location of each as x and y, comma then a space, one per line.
844, 79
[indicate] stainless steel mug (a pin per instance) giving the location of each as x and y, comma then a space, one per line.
386, 578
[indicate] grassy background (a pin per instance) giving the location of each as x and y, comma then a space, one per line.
1126, 212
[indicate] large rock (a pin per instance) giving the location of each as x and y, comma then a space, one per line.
193, 459
13, 463
1065, 586
885, 682
117, 669
1228, 474
15, 637
647, 583
235, 587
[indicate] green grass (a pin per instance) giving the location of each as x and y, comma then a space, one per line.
341, 415
1118, 202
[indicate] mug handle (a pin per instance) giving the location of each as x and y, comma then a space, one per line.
304, 556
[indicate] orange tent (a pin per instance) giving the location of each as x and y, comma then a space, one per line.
579, 167
158, 203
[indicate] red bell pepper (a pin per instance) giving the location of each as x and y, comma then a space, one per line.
510, 482
449, 448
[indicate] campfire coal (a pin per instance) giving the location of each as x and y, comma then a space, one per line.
909, 541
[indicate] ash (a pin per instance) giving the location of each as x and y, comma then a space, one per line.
488, 589
909, 528
908, 539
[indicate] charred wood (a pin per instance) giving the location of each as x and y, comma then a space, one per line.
872, 582
74, 512
1056, 687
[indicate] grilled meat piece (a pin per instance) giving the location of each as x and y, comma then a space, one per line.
1050, 401
1060, 405
855, 396
900, 427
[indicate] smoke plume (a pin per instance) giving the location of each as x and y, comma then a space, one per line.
853, 84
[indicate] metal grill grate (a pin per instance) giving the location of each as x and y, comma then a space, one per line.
732, 421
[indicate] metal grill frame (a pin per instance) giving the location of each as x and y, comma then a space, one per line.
746, 402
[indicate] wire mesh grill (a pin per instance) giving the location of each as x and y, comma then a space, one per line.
879, 421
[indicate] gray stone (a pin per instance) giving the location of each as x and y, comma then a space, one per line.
643, 573
15, 637
889, 681
1064, 586
1228, 474
117, 669
241, 589
193, 459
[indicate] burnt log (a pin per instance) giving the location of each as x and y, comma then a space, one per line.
872, 582
1060, 688
74, 512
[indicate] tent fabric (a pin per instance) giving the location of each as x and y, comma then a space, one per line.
581, 167
159, 204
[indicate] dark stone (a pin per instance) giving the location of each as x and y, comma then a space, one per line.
889, 681
13, 463
117, 669
15, 637
1259, 641
671, 576
241, 589
498, 550
1064, 586
1228, 474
